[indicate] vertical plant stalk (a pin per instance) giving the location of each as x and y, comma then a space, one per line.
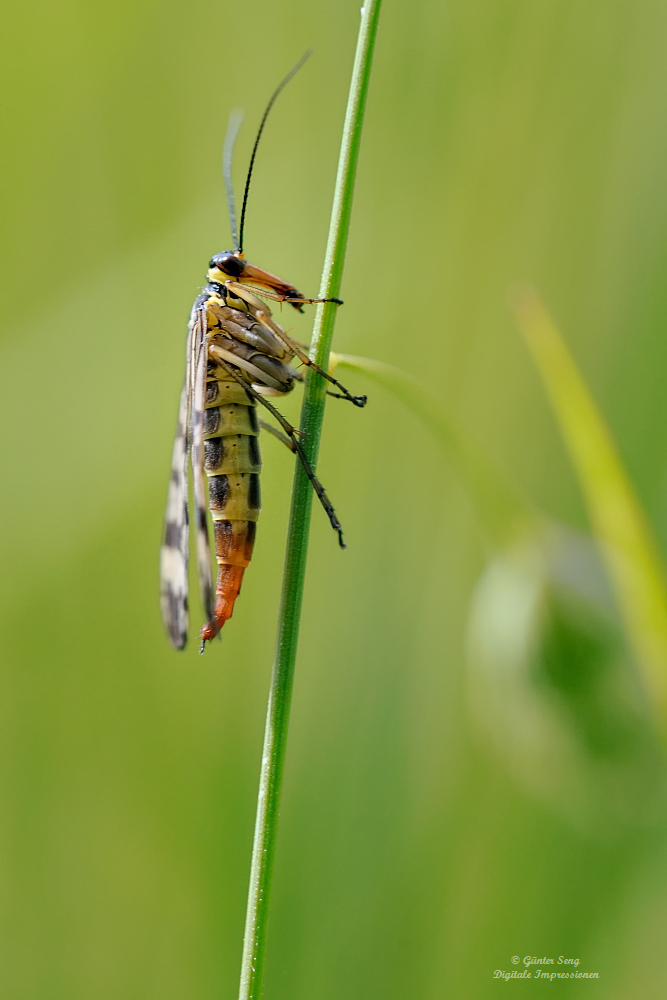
312, 414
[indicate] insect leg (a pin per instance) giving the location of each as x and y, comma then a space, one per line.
263, 315
293, 436
300, 353
276, 434
277, 296
357, 400
310, 302
344, 393
299, 347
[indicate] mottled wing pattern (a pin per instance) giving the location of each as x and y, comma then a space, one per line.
175, 544
199, 367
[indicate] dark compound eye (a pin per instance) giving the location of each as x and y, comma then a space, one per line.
228, 263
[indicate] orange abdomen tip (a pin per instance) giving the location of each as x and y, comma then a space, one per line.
226, 591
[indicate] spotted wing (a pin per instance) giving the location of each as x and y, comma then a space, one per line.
199, 357
176, 540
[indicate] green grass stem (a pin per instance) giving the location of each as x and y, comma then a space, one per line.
312, 414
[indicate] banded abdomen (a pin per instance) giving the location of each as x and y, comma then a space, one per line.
232, 463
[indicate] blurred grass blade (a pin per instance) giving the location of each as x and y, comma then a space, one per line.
617, 518
502, 511
312, 415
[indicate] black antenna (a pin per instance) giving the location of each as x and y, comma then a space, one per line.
235, 121
281, 85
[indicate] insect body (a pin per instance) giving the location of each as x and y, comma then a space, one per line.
236, 357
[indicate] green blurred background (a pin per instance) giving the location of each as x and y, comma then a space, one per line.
429, 829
